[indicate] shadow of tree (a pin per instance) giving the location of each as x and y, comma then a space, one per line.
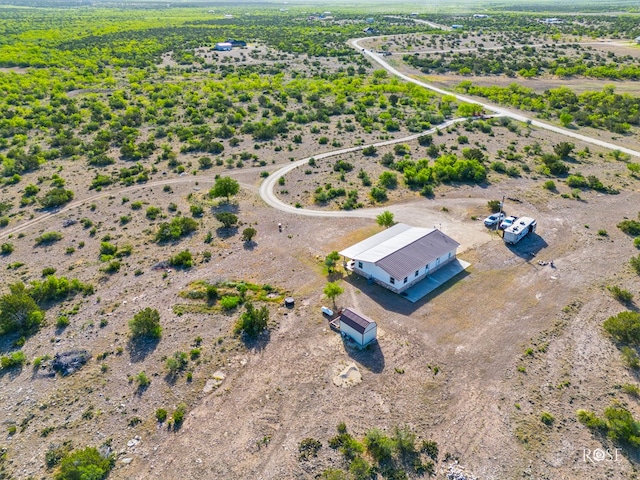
140, 347
225, 207
250, 245
258, 343
226, 232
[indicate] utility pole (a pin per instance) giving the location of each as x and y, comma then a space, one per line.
500, 213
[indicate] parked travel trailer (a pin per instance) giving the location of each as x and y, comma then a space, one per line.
522, 227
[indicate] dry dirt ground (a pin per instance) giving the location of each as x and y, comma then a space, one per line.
452, 367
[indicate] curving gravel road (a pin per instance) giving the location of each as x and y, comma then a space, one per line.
268, 185
355, 43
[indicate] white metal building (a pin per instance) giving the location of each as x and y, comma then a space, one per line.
357, 326
223, 46
401, 256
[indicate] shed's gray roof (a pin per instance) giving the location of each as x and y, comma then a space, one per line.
356, 320
402, 249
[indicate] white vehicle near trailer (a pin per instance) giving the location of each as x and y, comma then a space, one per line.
519, 229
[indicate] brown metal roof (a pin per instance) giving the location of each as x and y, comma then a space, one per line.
355, 320
405, 261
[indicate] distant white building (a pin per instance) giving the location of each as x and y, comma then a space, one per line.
401, 256
480, 15
223, 46
360, 328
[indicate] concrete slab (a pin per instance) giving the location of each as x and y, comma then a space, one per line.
433, 281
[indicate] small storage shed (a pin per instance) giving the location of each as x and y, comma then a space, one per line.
357, 326
223, 46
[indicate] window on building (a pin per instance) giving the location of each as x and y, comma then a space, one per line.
392, 280
449, 254
359, 264
405, 279
437, 261
426, 269
417, 272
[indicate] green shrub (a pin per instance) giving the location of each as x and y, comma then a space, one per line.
177, 362
196, 210
48, 238
177, 228
16, 359
342, 166
229, 302
630, 357
378, 194
498, 167
636, 242
161, 415
308, 448
590, 419
577, 181
142, 380
227, 219
153, 212
56, 197
624, 327
86, 464
137, 205
19, 312
547, 418
183, 259
388, 180
62, 321
622, 427
248, 234
107, 250
6, 248
47, 271
430, 449
178, 415
624, 296
630, 227
112, 267
253, 321
146, 323
631, 389
378, 445
549, 185
635, 263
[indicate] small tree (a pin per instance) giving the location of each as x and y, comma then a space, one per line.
330, 261
248, 234
566, 119
385, 219
563, 149
624, 327
19, 311
146, 323
227, 219
224, 187
333, 290
253, 321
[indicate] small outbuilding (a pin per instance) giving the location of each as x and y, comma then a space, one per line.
360, 328
223, 46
